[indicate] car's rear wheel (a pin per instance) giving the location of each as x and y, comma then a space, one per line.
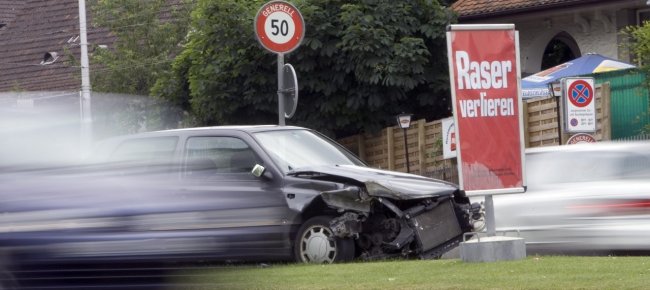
316, 243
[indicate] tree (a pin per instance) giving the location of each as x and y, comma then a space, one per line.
146, 34
146, 38
359, 65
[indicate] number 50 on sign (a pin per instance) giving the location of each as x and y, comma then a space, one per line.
279, 27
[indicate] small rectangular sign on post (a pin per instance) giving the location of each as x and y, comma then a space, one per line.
485, 77
580, 105
448, 138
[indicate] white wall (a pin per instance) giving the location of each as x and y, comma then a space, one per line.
535, 34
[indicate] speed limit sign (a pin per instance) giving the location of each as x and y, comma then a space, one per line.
279, 27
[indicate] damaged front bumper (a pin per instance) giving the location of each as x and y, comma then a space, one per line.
392, 225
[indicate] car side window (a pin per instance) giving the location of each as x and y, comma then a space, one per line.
217, 157
146, 151
636, 166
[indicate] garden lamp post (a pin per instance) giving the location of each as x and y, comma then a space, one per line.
404, 122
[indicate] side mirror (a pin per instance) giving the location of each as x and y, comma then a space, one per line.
259, 171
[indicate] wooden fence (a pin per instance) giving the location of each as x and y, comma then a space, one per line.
541, 119
385, 150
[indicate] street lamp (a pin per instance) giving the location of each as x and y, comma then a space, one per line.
404, 122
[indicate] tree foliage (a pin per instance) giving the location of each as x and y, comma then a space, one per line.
146, 34
639, 44
146, 38
360, 64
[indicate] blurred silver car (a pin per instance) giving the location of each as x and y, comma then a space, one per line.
592, 197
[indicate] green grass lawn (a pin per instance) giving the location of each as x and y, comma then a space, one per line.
535, 272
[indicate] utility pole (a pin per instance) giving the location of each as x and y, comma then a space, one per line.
86, 116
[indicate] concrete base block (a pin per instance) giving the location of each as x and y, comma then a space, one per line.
492, 249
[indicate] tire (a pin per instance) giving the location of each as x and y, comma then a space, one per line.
315, 243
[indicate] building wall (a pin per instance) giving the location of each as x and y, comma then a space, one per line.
535, 34
595, 28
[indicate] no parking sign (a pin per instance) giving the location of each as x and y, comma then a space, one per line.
580, 105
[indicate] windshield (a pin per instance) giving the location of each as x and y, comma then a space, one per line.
293, 149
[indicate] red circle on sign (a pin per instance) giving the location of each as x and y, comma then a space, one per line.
580, 93
581, 138
279, 27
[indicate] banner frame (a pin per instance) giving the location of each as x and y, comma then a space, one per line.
484, 27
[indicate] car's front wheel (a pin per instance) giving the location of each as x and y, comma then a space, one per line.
315, 243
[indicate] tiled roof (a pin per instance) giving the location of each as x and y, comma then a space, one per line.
8, 10
43, 26
484, 8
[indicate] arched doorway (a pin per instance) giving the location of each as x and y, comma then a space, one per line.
560, 49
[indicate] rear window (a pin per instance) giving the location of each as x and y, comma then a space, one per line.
155, 150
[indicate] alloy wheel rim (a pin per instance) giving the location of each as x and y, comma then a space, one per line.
318, 245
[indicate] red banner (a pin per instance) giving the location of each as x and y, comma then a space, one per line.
483, 72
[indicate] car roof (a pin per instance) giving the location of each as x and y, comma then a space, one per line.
245, 128
638, 146
207, 130
195, 130
111, 142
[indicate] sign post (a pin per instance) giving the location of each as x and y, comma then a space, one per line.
485, 82
280, 28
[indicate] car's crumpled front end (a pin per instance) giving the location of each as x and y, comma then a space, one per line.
391, 214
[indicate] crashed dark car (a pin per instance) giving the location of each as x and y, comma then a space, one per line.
230, 193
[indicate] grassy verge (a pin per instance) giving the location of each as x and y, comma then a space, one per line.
543, 272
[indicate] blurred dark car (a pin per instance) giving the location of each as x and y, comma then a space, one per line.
591, 198
226, 193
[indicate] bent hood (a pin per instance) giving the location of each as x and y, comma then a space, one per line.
382, 183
